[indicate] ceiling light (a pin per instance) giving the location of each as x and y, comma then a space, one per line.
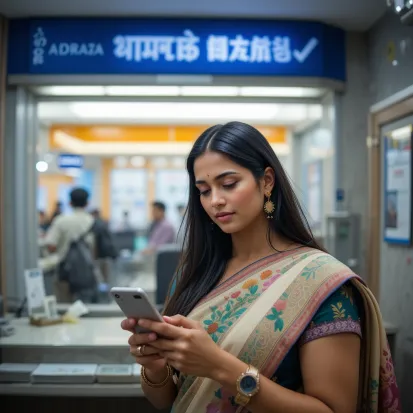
209, 91
121, 162
42, 166
160, 162
402, 133
178, 162
71, 90
174, 110
293, 92
138, 161
142, 90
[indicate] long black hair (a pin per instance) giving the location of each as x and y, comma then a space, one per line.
208, 249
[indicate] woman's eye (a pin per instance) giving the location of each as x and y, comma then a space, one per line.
229, 186
205, 192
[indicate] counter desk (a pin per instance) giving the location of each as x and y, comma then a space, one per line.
97, 340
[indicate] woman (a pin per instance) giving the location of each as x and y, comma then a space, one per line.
260, 318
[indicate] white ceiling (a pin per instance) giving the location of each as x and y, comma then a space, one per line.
349, 14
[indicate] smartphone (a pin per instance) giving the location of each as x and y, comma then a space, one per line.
134, 303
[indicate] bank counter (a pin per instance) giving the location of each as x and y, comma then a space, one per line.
98, 340
93, 340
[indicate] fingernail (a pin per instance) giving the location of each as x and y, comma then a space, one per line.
166, 318
141, 322
152, 336
131, 323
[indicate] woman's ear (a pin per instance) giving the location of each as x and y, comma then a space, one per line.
269, 180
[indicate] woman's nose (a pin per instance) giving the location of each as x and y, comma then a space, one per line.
217, 199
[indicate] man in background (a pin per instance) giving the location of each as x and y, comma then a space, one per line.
105, 249
66, 229
161, 230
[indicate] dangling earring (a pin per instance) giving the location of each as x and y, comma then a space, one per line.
269, 206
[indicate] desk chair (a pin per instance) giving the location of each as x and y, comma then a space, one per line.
166, 263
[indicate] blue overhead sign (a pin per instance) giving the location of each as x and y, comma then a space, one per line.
69, 161
177, 46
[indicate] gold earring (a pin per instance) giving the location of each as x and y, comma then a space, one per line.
269, 206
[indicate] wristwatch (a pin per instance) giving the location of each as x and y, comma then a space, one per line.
248, 385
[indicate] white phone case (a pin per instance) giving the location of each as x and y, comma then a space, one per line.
134, 303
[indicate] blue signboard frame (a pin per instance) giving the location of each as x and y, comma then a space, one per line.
176, 46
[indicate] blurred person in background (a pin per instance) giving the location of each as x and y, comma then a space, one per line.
105, 249
161, 231
259, 317
71, 238
56, 212
43, 222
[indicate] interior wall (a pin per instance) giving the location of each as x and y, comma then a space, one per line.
388, 41
396, 281
351, 124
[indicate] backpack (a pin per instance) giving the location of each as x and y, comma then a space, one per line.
78, 267
104, 242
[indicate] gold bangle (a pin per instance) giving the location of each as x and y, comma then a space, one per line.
162, 383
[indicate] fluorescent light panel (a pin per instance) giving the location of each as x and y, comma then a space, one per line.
230, 91
142, 90
174, 110
209, 91
72, 90
290, 92
402, 133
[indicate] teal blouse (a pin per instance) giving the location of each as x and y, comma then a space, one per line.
338, 314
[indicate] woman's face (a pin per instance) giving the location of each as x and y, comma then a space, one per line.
229, 193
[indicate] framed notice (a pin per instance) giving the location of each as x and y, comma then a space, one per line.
397, 205
128, 198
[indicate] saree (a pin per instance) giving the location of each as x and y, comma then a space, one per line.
261, 312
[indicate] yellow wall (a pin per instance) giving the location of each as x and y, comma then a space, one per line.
51, 182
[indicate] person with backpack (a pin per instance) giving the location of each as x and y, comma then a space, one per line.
72, 238
105, 249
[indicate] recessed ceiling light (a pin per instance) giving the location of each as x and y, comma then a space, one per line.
42, 166
138, 161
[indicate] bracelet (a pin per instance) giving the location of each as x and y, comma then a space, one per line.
162, 383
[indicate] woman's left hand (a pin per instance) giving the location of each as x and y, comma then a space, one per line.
186, 345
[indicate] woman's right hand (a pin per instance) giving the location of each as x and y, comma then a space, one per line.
150, 359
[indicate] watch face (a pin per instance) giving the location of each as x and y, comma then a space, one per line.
248, 384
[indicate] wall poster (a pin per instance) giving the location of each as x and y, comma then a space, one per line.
172, 188
128, 199
397, 204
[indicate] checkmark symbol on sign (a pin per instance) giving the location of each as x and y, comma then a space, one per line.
308, 48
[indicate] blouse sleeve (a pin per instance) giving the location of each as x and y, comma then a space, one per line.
338, 314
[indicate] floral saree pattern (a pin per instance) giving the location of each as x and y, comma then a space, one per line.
263, 311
